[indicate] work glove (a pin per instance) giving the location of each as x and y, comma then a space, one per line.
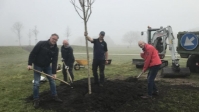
66, 67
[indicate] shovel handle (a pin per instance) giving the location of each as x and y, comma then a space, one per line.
51, 76
140, 74
68, 74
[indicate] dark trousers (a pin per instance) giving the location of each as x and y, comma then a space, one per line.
101, 65
70, 70
151, 77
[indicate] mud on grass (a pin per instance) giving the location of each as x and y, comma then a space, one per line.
121, 96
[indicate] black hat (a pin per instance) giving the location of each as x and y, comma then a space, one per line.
102, 33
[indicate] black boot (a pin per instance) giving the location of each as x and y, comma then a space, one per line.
36, 103
156, 93
56, 98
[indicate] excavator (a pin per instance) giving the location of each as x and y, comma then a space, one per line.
160, 38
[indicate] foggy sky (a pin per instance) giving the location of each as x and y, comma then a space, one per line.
115, 17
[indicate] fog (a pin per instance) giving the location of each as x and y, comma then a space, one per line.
115, 17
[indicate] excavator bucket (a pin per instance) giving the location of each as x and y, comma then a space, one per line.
168, 72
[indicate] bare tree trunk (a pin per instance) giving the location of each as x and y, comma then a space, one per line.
35, 32
85, 27
19, 37
17, 27
86, 14
29, 35
68, 33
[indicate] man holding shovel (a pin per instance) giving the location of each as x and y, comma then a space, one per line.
68, 60
44, 56
152, 62
100, 56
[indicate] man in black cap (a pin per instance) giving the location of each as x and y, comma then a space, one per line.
100, 56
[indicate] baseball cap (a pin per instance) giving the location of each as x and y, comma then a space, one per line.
102, 33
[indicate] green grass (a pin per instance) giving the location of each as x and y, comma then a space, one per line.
179, 100
16, 80
11, 50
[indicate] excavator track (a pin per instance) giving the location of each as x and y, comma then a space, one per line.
168, 72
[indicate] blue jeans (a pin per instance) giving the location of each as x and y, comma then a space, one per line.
151, 77
47, 70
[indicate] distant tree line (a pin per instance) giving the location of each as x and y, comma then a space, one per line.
131, 37
18, 27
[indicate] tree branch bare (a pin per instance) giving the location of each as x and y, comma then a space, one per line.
86, 14
75, 6
17, 29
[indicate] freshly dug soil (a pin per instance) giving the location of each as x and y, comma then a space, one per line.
114, 96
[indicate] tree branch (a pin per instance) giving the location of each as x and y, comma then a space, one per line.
73, 2
86, 13
89, 9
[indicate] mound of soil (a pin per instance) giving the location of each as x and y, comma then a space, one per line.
114, 96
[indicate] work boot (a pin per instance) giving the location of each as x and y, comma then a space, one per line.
56, 98
156, 93
96, 83
36, 103
101, 85
146, 97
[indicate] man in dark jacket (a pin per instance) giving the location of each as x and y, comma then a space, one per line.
100, 56
68, 59
43, 54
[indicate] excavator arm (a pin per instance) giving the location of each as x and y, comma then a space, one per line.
165, 34
174, 70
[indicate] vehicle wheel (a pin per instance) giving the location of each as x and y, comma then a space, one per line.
139, 66
191, 63
77, 66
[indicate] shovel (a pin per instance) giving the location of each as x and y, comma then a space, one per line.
136, 78
68, 74
140, 75
51, 76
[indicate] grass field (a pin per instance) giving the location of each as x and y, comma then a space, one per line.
16, 80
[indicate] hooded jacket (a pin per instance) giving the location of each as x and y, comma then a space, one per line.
43, 54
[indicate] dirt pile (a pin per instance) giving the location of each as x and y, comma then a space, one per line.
114, 96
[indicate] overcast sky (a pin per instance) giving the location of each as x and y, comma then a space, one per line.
115, 17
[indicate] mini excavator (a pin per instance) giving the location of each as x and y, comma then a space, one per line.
158, 37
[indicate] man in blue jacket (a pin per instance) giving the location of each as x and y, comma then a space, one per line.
100, 56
